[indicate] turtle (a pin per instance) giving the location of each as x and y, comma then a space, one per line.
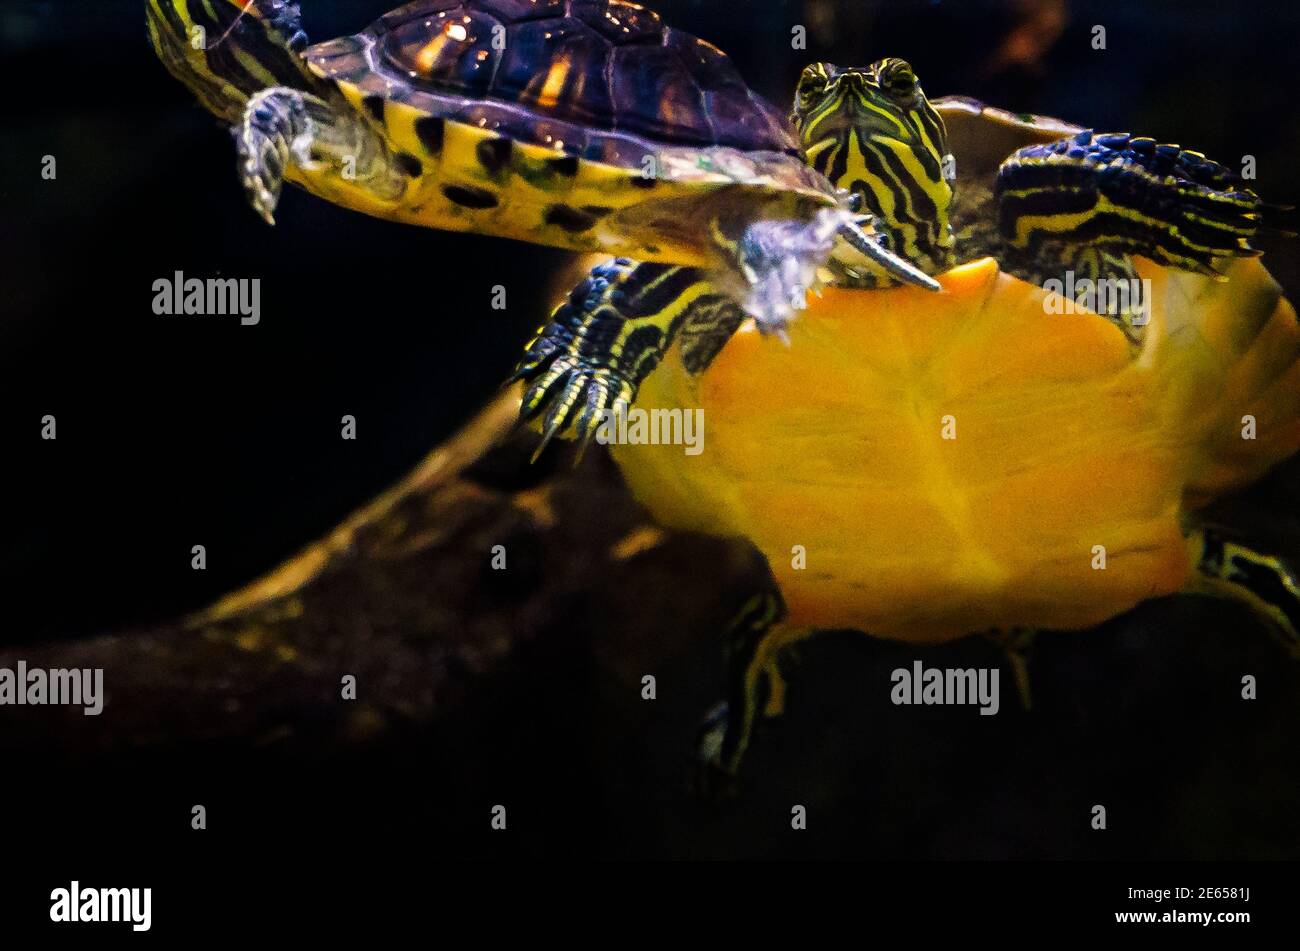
580, 124
923, 467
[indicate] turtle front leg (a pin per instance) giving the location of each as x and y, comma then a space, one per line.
284, 127
609, 334
1129, 195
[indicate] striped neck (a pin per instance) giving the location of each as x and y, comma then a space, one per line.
871, 132
904, 188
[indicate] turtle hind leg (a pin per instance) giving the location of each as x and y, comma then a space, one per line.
1017, 644
1127, 194
756, 641
1227, 569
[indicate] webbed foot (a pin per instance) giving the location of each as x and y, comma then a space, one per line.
276, 130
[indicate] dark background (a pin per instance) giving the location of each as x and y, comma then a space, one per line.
177, 431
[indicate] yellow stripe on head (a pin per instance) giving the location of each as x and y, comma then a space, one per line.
227, 50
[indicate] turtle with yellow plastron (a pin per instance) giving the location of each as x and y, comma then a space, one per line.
989, 459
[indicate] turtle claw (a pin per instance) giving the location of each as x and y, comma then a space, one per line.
870, 245
569, 396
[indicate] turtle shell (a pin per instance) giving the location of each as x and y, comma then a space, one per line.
982, 137
601, 79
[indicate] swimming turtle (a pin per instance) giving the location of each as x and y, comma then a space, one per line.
583, 124
990, 459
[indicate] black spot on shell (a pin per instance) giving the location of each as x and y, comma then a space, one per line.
493, 154
596, 211
429, 130
374, 105
566, 165
570, 219
409, 164
643, 181
469, 196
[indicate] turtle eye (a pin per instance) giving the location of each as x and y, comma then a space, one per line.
897, 79
812, 85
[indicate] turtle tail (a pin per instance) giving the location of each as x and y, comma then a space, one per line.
1227, 357
225, 51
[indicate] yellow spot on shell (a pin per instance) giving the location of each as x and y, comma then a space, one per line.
428, 54
554, 83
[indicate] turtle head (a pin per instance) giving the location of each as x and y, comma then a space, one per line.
871, 131
227, 50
